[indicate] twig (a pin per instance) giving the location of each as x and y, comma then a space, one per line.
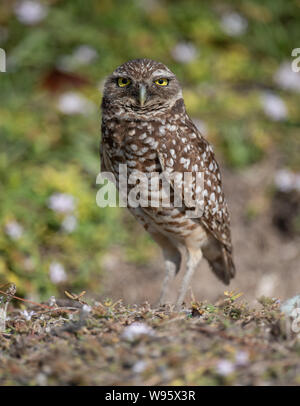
75, 297
25, 300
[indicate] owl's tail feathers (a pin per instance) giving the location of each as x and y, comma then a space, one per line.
222, 264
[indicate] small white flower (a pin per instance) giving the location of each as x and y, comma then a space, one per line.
225, 367
139, 367
14, 230
41, 379
27, 314
73, 103
69, 223
62, 202
184, 52
241, 358
285, 180
52, 301
273, 106
286, 78
82, 55
233, 24
30, 12
135, 330
57, 272
86, 308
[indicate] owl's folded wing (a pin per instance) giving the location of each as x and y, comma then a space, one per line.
194, 160
105, 163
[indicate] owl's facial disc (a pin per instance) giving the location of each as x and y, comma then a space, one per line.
141, 87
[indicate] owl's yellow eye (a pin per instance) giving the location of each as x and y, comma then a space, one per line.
122, 82
161, 82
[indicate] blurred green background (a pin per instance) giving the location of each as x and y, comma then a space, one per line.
233, 59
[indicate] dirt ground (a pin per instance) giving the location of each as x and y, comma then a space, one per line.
267, 260
226, 343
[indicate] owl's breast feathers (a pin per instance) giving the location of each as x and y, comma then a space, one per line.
174, 145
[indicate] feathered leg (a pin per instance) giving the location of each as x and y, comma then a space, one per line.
171, 268
172, 258
194, 257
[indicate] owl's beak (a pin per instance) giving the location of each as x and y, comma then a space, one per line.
142, 95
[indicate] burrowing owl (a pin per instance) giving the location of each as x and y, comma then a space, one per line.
145, 127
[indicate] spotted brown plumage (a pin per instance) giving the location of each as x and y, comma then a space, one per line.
145, 127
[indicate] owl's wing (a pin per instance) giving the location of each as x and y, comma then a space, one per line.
101, 153
187, 151
105, 163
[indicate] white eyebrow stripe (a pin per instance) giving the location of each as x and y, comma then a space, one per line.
120, 73
162, 72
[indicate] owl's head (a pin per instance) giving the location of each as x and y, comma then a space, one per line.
140, 87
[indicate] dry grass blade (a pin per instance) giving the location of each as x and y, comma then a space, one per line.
4, 301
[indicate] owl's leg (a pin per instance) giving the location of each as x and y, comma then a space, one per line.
172, 266
193, 260
172, 259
